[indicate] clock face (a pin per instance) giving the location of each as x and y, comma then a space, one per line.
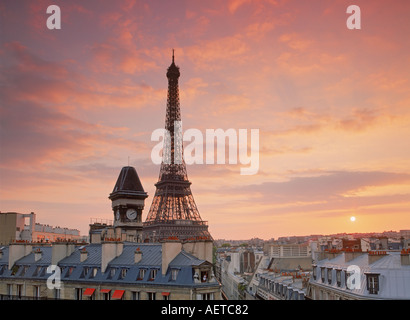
131, 214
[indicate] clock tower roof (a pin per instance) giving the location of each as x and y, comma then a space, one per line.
128, 185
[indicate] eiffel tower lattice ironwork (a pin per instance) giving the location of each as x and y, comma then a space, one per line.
173, 213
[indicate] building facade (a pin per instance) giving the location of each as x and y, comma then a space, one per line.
110, 270
357, 275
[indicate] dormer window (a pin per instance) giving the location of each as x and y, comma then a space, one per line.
314, 274
69, 272
23, 272
37, 271
94, 272
322, 273
141, 274
84, 273
174, 274
123, 273
153, 274
339, 277
204, 276
111, 273
329, 275
372, 280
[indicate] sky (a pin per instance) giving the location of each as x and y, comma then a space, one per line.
332, 106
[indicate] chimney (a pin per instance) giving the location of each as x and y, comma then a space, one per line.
350, 254
405, 257
170, 249
138, 255
111, 248
61, 250
333, 253
202, 249
17, 251
376, 255
37, 254
83, 254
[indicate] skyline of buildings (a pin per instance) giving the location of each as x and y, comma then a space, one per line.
330, 104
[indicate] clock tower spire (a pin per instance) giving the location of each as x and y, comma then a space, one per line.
128, 199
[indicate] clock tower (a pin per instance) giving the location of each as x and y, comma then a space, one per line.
128, 198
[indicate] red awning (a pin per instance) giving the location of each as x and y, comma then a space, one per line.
88, 292
105, 290
117, 294
165, 294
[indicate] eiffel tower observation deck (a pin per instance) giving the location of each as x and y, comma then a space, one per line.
173, 214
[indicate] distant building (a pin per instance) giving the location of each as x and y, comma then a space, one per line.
405, 234
289, 250
23, 227
231, 281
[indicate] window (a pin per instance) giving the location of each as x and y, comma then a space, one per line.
314, 272
174, 274
93, 273
69, 272
373, 283
322, 273
329, 275
153, 274
165, 295
111, 273
136, 295
19, 290
152, 295
37, 271
339, 277
106, 295
57, 293
123, 273
36, 292
9, 289
78, 293
205, 296
204, 276
141, 274
85, 272
14, 270
23, 271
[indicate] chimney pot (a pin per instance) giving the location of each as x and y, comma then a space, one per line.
83, 255
38, 254
138, 255
405, 258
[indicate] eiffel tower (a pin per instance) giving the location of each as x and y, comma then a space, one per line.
173, 214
